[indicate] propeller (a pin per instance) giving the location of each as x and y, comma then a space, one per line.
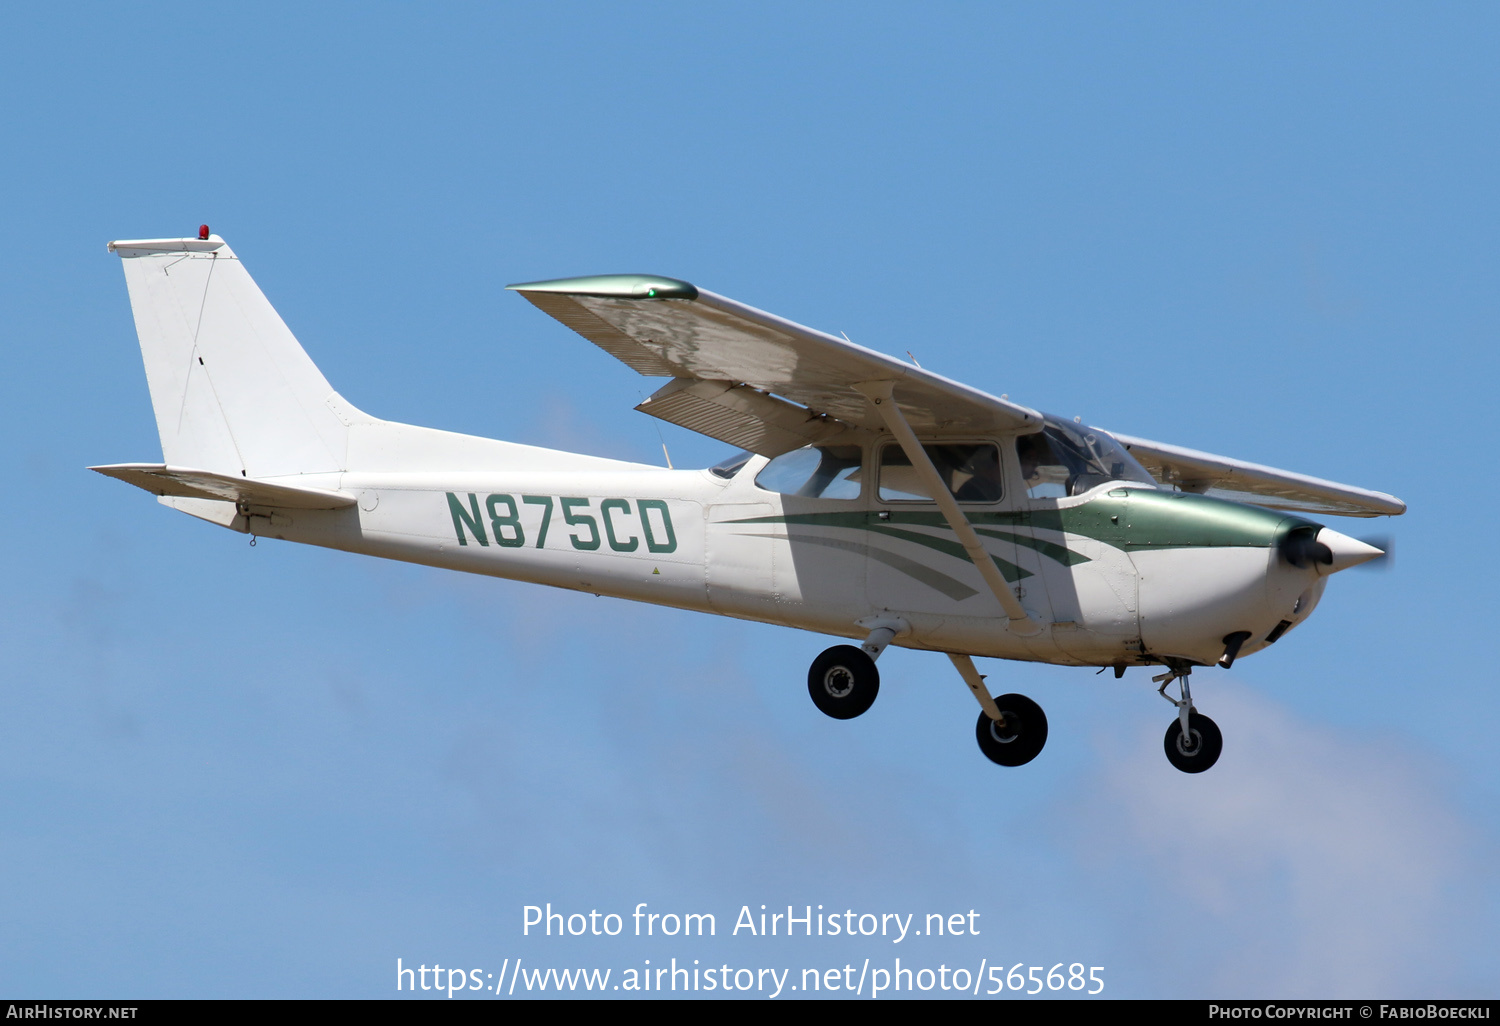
1327, 551
1301, 548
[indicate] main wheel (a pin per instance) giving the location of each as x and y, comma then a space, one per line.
843, 682
1021, 738
1199, 750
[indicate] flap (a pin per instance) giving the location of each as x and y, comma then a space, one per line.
739, 415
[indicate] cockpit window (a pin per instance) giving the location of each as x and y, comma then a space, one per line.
1068, 459
727, 468
970, 470
815, 472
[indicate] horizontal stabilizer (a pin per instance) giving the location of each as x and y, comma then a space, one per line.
160, 479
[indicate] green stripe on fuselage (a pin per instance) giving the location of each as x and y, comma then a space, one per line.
1007, 569
949, 586
1131, 519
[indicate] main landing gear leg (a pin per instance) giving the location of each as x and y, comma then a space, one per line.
1193, 741
1012, 728
843, 681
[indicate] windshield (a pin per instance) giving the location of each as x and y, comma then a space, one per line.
1067, 458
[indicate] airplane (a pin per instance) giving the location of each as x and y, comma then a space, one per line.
871, 500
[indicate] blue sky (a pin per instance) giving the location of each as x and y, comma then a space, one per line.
1263, 230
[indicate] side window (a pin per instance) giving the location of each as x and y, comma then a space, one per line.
815, 472
727, 468
971, 470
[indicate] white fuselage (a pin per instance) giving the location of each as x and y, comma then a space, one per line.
694, 540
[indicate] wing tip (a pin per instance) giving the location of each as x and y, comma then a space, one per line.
614, 286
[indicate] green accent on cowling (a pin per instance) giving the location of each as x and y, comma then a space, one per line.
1148, 519
614, 286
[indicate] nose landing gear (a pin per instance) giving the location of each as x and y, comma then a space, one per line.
1193, 741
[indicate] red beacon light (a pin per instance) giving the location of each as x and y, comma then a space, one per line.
203, 232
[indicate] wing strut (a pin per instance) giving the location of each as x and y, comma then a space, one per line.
879, 395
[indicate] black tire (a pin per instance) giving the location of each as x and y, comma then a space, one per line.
1203, 749
843, 682
1022, 737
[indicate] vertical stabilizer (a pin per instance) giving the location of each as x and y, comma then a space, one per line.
233, 390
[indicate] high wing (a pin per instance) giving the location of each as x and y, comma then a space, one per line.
750, 378
1226, 478
769, 385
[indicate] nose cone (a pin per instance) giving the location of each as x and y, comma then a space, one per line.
1346, 551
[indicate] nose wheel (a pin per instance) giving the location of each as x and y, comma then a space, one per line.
1198, 748
1193, 741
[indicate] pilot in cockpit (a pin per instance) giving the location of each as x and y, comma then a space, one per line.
1046, 476
976, 479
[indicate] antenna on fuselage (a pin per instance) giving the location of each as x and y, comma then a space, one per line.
662, 438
